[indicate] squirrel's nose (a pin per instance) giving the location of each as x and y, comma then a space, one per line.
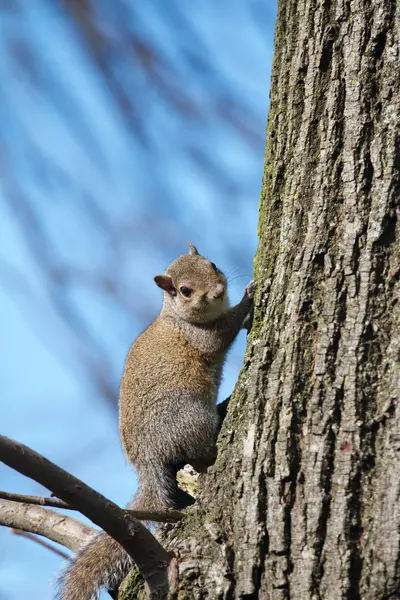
218, 292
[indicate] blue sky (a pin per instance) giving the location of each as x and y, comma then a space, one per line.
93, 205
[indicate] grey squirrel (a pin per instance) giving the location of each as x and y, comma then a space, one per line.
168, 413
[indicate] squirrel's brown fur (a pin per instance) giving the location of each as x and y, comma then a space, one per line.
168, 414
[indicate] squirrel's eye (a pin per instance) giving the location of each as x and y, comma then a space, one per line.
214, 266
185, 291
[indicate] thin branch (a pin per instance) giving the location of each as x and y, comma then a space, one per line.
166, 516
37, 540
147, 553
159, 516
67, 531
38, 500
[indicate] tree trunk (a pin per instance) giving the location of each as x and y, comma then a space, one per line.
303, 501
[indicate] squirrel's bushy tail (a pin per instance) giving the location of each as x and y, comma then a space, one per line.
103, 563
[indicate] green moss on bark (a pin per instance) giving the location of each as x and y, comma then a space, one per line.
132, 588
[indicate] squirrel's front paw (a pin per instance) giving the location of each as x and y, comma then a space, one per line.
250, 289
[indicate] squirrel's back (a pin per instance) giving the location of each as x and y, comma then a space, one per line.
168, 413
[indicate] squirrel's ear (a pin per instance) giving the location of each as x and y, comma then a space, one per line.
192, 249
165, 283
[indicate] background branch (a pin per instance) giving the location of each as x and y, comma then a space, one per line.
147, 553
67, 531
37, 540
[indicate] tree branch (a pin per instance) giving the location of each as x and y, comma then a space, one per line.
37, 540
38, 500
67, 531
147, 553
166, 516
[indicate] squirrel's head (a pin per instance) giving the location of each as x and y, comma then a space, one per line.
195, 289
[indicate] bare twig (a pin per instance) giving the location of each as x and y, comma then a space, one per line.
39, 500
159, 516
167, 516
67, 531
37, 540
148, 554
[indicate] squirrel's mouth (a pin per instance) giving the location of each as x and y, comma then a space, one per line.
216, 306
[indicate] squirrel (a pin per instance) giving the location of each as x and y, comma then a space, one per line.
168, 412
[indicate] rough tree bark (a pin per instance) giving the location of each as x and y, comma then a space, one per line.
303, 501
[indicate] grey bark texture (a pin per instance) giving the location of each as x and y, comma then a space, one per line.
57, 527
303, 501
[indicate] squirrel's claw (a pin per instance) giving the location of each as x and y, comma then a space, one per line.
250, 289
